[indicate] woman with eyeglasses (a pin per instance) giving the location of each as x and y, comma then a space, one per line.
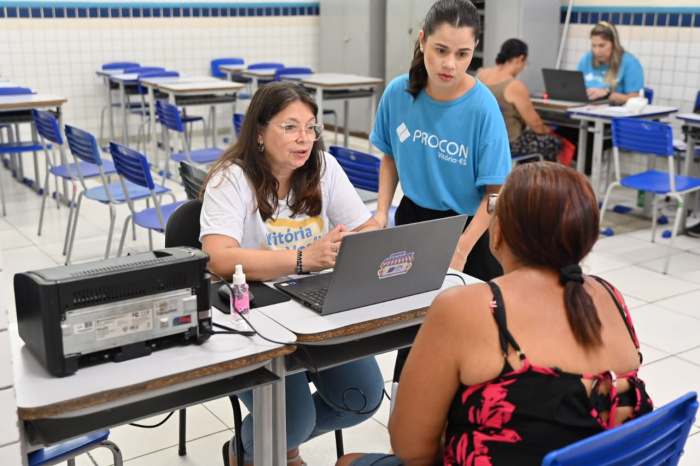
527, 133
443, 137
531, 361
279, 205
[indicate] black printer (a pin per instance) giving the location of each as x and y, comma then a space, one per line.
115, 309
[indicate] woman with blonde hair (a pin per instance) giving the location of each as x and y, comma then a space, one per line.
610, 72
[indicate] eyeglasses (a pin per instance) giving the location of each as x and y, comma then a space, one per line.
491, 204
291, 129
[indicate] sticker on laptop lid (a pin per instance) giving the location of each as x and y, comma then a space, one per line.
396, 264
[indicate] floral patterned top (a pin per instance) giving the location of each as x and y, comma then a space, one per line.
523, 414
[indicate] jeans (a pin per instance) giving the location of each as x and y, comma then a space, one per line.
309, 416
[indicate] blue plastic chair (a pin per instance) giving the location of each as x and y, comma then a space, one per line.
67, 451
83, 147
47, 127
133, 166
300, 70
217, 62
649, 94
169, 117
656, 438
655, 139
238, 123
12, 147
362, 170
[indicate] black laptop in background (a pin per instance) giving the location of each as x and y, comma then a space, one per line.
566, 85
381, 265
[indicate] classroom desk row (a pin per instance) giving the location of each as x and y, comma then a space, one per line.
558, 112
53, 410
325, 87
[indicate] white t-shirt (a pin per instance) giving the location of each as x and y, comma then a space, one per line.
229, 209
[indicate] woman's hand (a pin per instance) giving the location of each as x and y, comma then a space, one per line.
595, 93
382, 218
323, 252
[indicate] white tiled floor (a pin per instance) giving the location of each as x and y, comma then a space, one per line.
664, 308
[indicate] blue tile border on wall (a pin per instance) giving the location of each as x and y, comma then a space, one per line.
89, 10
635, 16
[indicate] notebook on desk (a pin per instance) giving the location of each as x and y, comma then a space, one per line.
566, 85
381, 265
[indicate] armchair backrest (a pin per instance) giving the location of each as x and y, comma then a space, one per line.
217, 62
47, 126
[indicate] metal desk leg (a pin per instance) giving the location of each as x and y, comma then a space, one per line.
270, 420
582, 155
153, 156
111, 109
346, 122
125, 127
689, 157
597, 155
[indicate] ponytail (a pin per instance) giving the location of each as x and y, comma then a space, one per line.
417, 74
580, 310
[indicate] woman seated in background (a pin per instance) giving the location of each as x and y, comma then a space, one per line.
270, 203
609, 71
504, 372
526, 131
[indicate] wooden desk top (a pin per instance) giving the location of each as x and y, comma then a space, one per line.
29, 101
339, 80
198, 87
40, 395
692, 118
233, 68
310, 326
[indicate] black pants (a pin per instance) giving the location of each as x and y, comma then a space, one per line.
480, 264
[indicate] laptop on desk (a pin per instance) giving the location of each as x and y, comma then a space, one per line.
567, 86
381, 265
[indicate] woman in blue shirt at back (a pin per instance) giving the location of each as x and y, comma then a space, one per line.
609, 71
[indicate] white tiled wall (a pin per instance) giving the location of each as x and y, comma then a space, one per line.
670, 57
60, 56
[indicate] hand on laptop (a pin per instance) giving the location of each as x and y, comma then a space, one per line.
323, 252
595, 93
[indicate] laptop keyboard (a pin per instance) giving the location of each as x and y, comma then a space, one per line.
317, 296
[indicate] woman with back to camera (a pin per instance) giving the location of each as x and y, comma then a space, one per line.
269, 204
526, 131
443, 138
531, 361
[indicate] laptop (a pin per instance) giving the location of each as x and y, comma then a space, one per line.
566, 85
381, 265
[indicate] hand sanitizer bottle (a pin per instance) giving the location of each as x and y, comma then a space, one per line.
240, 300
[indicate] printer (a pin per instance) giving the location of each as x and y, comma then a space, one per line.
115, 309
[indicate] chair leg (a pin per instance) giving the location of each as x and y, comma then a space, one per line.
121, 243
116, 452
676, 225
112, 218
71, 212
182, 448
2, 196
337, 130
604, 207
73, 228
43, 201
339, 448
237, 423
654, 216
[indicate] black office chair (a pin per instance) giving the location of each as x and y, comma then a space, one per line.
193, 180
183, 230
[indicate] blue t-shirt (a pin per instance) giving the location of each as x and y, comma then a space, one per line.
630, 77
445, 152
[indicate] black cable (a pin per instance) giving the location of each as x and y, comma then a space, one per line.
143, 426
302, 346
458, 276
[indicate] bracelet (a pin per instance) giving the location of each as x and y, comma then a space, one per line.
298, 269
461, 254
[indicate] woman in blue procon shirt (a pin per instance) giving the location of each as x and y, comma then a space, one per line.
609, 71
